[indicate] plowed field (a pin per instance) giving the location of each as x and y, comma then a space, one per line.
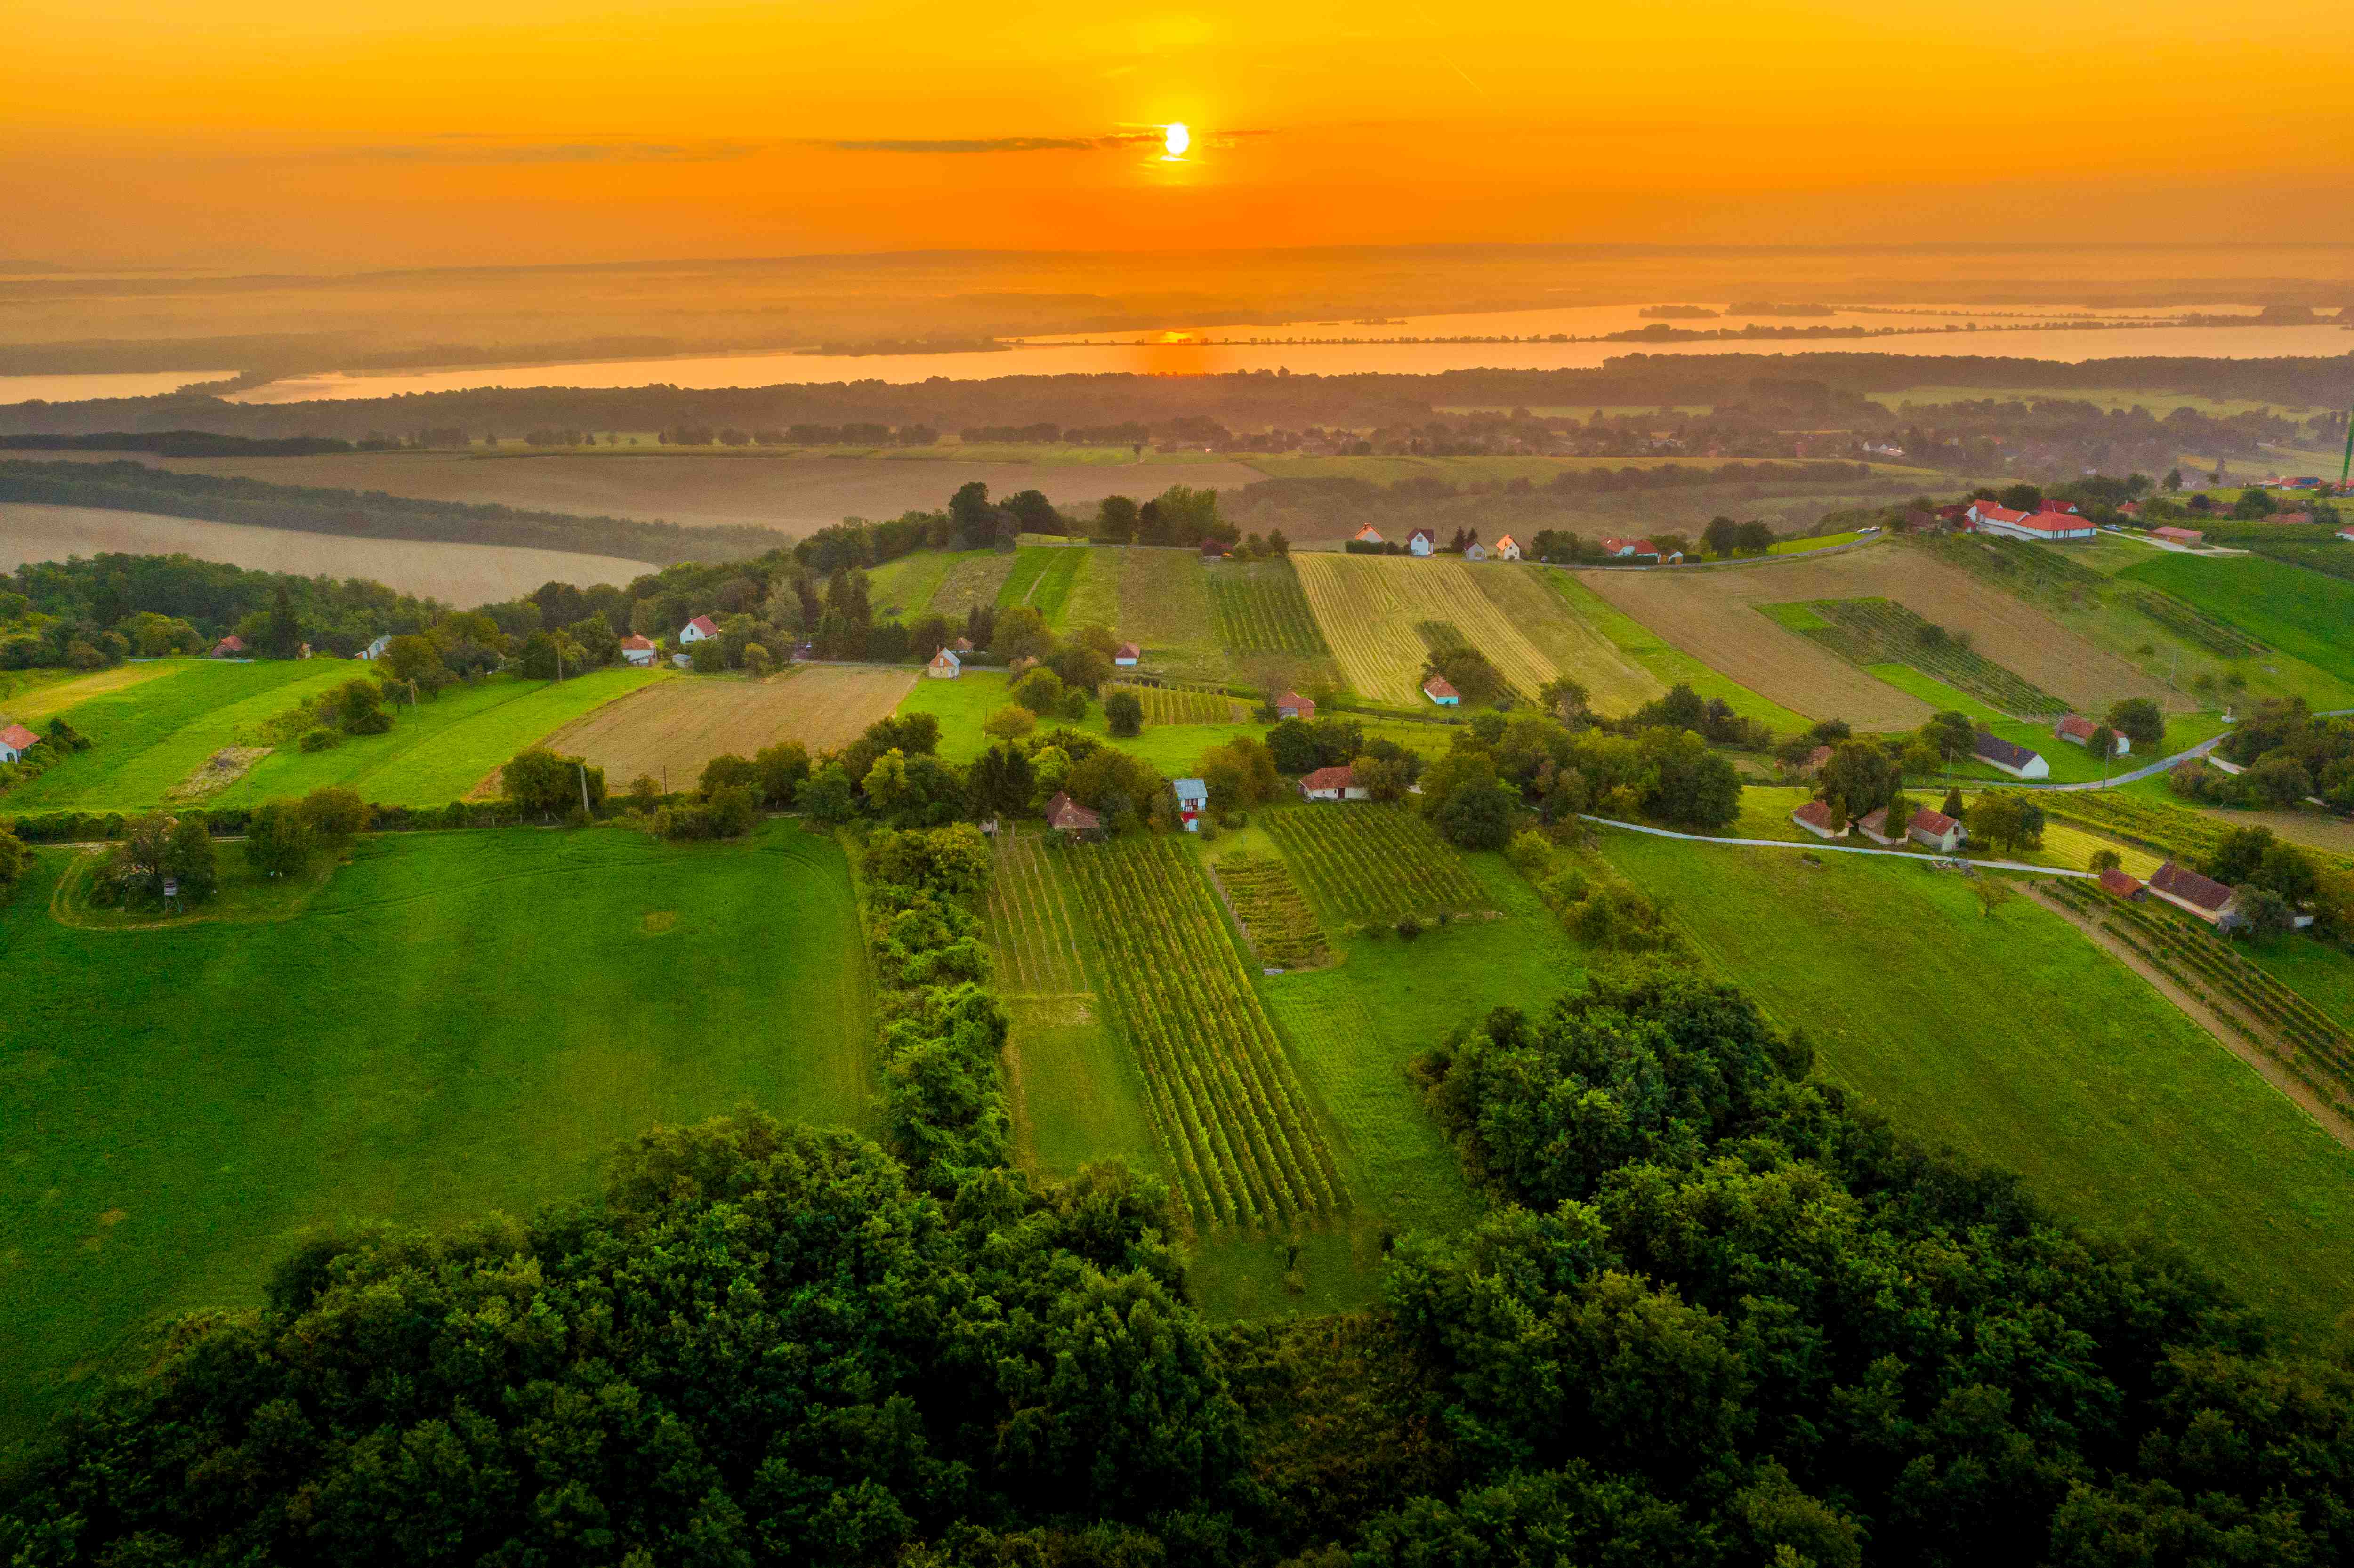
679, 726
1707, 614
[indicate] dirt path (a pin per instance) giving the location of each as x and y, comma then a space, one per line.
2332, 1121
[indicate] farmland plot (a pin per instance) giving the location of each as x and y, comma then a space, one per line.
1226, 1103
1260, 609
1164, 607
1372, 861
1276, 920
1869, 631
1184, 704
1368, 606
1615, 684
675, 727
975, 580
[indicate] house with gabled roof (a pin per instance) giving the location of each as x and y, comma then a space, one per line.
1421, 542
1332, 784
700, 629
2123, 885
1440, 690
2007, 757
1508, 549
1815, 816
1291, 704
945, 666
1073, 820
2040, 527
2079, 730
1127, 654
1193, 802
1873, 825
639, 651
2197, 896
15, 741
1932, 829
2178, 535
229, 647
375, 650
1368, 535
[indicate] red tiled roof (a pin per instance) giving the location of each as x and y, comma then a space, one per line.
1368, 535
1437, 686
233, 642
1068, 815
1630, 546
1817, 756
1934, 823
17, 737
1988, 511
2181, 882
1339, 778
2180, 536
2120, 883
705, 625
1130, 651
1506, 542
1294, 700
2052, 503
2076, 726
637, 644
1817, 813
1874, 821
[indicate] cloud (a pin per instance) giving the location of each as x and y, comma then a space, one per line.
459, 147
1140, 138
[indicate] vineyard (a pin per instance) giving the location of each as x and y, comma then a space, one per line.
2011, 563
2195, 626
1031, 923
1169, 703
1266, 902
1372, 861
1260, 609
2261, 1010
2184, 835
1881, 631
1368, 605
1225, 1104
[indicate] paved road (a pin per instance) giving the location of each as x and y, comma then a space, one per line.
2201, 749
1834, 849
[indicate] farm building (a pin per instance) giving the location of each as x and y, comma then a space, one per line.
1815, 816
2125, 884
229, 647
1440, 691
697, 630
1934, 830
1193, 802
1291, 704
1508, 549
1073, 820
2005, 757
2033, 526
962, 645
1126, 654
2130, 509
1475, 551
1332, 784
2178, 535
1421, 542
945, 666
15, 741
2346, 534
2053, 503
375, 650
1637, 550
2079, 730
2203, 897
1873, 825
1368, 535
639, 651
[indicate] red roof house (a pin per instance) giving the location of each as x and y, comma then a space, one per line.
1291, 704
2179, 535
2123, 885
699, 629
1368, 535
1815, 816
2204, 896
229, 647
1934, 830
1126, 654
2032, 525
639, 650
1873, 825
15, 741
2076, 727
1065, 815
1332, 784
1439, 689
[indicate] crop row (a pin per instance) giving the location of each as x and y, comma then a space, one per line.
1180, 704
1263, 613
1224, 1100
2169, 830
1880, 631
1031, 923
2007, 561
1372, 861
2194, 626
1274, 916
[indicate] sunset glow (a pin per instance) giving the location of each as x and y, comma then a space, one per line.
1175, 140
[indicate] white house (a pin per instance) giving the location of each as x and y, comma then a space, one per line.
696, 630
2040, 527
639, 651
1815, 816
1193, 802
1440, 690
1934, 830
1508, 549
1332, 784
376, 650
2004, 756
1635, 549
1368, 535
1128, 653
1475, 551
1421, 542
945, 666
2080, 730
15, 741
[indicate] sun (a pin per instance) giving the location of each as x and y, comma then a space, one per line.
1174, 139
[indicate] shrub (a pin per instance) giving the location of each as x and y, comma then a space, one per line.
1124, 713
1408, 927
320, 739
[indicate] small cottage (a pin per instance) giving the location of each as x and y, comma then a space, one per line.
229, 647
1073, 820
699, 629
1440, 691
2192, 894
1193, 802
1332, 784
962, 646
1421, 542
2078, 730
1873, 825
639, 651
1934, 830
2178, 535
1475, 551
2005, 757
2123, 885
1508, 549
375, 650
15, 741
1815, 816
1127, 654
1368, 535
1291, 705
945, 666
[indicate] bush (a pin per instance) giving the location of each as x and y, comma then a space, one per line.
1124, 714
1408, 927
320, 739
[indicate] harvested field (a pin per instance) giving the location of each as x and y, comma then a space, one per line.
462, 575
1369, 606
678, 726
1707, 614
1615, 684
975, 580
795, 495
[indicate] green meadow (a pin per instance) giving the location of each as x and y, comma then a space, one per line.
2300, 612
450, 1023
2016, 1041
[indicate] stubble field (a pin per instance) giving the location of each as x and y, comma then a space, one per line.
672, 729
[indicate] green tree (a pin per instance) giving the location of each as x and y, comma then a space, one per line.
281, 633
828, 795
14, 859
2005, 822
1001, 783
336, 813
1124, 713
1752, 538
1020, 632
1722, 536
278, 839
541, 783
190, 859
1040, 691
1476, 816
2139, 720
777, 771
724, 771
537, 660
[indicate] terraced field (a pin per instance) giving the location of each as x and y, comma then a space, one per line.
1368, 606
1372, 861
1226, 1102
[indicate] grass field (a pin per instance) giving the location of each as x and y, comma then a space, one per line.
667, 731
2016, 1041
1184, 705
1872, 631
975, 578
147, 737
1933, 691
1038, 570
442, 750
457, 1024
2300, 612
1094, 596
904, 588
29, 696
1164, 609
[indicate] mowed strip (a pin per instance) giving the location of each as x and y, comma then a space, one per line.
1368, 606
42, 701
673, 729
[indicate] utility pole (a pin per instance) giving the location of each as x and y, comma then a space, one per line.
583, 767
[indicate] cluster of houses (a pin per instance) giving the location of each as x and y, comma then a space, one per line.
2201, 897
1073, 820
1929, 829
2054, 520
1424, 542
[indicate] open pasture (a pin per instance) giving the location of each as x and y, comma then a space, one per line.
456, 1023
29, 696
1368, 605
1372, 861
1260, 609
675, 725
1236, 1127
2016, 1041
1702, 612
456, 574
2300, 612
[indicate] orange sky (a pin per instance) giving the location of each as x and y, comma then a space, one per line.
298, 133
